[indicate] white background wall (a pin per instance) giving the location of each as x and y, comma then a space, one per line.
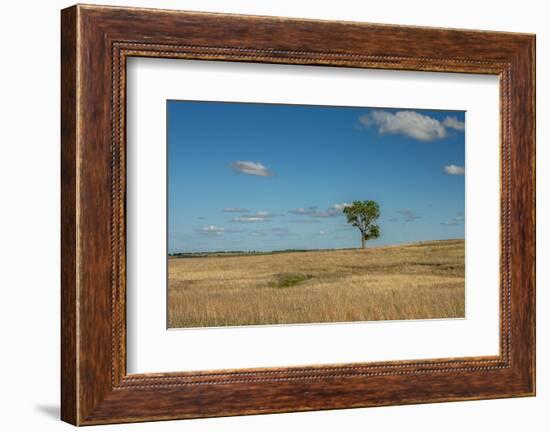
29, 215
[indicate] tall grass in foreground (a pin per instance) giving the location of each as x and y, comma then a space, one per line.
415, 281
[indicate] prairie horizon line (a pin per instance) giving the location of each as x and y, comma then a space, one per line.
297, 250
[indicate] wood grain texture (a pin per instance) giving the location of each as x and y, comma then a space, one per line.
96, 41
69, 366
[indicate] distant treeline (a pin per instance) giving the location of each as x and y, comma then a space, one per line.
294, 250
237, 253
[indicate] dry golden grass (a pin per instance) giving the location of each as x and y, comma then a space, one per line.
415, 281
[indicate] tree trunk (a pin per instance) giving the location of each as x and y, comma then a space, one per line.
363, 243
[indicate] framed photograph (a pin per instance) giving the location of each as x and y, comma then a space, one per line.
274, 240
265, 215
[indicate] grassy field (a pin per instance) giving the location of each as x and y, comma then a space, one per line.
413, 281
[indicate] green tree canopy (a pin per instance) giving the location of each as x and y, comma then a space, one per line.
363, 215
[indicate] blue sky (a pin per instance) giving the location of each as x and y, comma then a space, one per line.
244, 176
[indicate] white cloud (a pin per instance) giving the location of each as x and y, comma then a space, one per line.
235, 210
332, 211
248, 219
341, 206
458, 220
411, 124
212, 228
454, 170
453, 123
217, 231
407, 123
251, 168
409, 215
259, 216
304, 211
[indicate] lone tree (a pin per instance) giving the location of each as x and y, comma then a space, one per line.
363, 215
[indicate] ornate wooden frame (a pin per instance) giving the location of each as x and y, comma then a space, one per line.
95, 42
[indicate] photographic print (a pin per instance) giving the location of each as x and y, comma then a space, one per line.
288, 214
